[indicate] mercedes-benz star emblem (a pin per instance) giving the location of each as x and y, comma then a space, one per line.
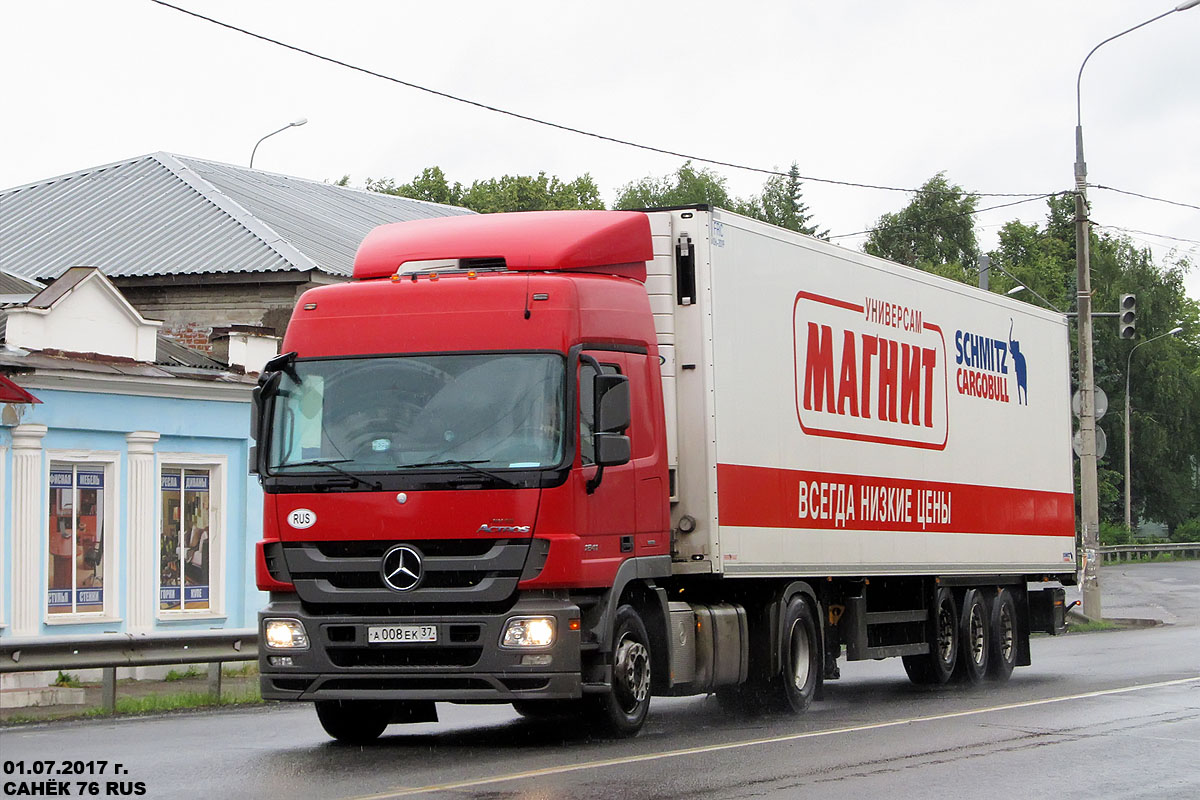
401, 568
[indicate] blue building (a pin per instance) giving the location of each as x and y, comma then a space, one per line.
127, 504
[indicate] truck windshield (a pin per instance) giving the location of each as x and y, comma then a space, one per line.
401, 413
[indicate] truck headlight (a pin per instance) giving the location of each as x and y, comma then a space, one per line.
528, 632
285, 634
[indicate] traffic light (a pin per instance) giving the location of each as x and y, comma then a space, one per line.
1128, 316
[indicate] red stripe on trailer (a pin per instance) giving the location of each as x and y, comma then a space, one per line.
768, 497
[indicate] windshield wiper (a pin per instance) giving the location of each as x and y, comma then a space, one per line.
467, 465
332, 463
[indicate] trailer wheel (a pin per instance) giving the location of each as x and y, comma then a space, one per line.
801, 655
1003, 641
974, 640
622, 710
935, 667
353, 721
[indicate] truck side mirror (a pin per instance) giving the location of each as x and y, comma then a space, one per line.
268, 387
612, 407
612, 449
611, 415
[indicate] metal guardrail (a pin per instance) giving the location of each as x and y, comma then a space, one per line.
1126, 552
32, 653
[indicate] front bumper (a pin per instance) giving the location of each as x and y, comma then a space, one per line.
465, 664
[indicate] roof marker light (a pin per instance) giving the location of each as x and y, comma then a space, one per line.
310, 306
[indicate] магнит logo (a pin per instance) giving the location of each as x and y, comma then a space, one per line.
873, 372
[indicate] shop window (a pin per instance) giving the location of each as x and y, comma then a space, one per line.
185, 539
76, 539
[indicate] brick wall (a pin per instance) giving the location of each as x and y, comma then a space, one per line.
189, 312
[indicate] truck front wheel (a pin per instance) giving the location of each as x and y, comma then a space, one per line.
801, 655
622, 710
353, 721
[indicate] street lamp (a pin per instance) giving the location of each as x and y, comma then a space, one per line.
1128, 364
302, 121
1089, 503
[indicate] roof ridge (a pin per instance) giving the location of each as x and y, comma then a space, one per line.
355, 189
261, 230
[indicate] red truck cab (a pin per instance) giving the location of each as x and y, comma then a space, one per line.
463, 453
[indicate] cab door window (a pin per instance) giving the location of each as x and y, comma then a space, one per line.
587, 441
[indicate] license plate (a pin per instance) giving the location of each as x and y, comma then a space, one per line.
401, 634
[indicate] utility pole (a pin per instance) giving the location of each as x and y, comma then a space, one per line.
1089, 492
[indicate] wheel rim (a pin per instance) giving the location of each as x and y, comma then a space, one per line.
801, 655
978, 633
631, 674
1006, 633
945, 638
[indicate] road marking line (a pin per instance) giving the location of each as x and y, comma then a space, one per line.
791, 737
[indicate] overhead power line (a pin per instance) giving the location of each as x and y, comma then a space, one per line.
1148, 197
559, 126
948, 217
1145, 233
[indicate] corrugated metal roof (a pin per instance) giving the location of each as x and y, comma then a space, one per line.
15, 285
163, 214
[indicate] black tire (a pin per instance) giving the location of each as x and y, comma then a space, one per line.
1003, 655
353, 721
622, 711
937, 666
800, 656
975, 643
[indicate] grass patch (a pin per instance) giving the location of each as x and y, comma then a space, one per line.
1092, 626
179, 700
66, 679
190, 672
244, 671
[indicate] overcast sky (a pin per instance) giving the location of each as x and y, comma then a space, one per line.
869, 92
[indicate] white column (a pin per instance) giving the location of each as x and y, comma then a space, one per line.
140, 542
29, 529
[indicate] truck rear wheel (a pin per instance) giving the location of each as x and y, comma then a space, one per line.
622, 710
353, 721
936, 666
1003, 641
974, 639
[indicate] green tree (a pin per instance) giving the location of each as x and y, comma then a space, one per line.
508, 193
781, 203
1042, 259
934, 232
686, 186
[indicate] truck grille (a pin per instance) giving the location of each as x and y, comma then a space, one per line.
341, 575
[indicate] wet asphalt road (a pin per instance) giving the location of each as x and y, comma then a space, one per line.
1105, 715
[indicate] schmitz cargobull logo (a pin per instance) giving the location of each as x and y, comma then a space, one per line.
873, 371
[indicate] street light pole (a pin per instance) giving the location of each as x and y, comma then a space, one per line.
1089, 501
1128, 446
297, 124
